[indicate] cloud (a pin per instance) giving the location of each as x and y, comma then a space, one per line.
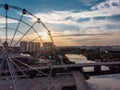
3, 20
1, 26
107, 4
91, 31
71, 35
108, 38
92, 25
113, 39
87, 2
104, 9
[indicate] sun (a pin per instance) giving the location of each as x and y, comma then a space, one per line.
44, 35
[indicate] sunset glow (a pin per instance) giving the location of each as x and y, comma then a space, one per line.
44, 35
71, 22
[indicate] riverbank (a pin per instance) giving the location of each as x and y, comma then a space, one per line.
78, 58
101, 56
93, 55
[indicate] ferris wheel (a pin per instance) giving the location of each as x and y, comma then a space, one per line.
17, 24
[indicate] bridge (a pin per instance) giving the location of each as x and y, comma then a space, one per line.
69, 76
114, 67
78, 74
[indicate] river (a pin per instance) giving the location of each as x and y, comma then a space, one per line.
102, 82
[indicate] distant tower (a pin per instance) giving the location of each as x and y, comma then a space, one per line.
5, 45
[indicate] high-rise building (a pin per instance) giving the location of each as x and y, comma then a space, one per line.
29, 46
48, 48
23, 46
48, 45
36, 46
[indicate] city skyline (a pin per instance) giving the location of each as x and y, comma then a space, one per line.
74, 22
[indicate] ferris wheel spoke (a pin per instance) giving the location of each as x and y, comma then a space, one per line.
16, 29
1, 66
23, 73
34, 39
38, 35
14, 75
18, 32
24, 34
21, 33
34, 30
27, 25
30, 67
20, 20
6, 7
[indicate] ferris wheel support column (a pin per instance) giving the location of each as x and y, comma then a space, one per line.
6, 7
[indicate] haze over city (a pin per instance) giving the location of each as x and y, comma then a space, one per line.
73, 22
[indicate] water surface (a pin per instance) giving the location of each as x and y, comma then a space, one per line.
102, 82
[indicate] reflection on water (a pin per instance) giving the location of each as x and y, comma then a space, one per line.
103, 82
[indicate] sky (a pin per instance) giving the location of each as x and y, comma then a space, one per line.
71, 22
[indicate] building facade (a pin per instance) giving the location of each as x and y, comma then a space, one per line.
30, 47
